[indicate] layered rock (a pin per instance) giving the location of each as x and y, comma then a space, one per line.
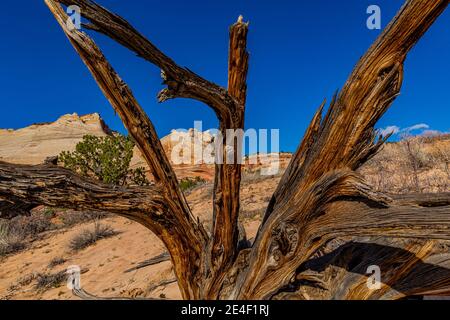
190, 151
33, 144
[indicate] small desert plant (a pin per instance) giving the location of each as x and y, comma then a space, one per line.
13, 232
22, 281
252, 175
26, 280
189, 183
105, 158
412, 149
90, 236
47, 281
71, 218
251, 214
49, 213
32, 225
442, 157
10, 242
138, 177
56, 262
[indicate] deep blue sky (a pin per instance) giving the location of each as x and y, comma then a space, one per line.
301, 52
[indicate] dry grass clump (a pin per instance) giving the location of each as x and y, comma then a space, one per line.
56, 261
46, 281
90, 236
15, 232
251, 214
10, 242
413, 165
70, 218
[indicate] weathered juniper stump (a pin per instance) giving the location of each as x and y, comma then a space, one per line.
324, 225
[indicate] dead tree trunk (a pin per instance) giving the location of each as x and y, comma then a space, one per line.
322, 214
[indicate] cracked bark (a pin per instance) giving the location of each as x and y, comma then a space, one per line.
319, 200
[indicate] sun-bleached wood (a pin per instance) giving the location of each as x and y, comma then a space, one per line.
321, 200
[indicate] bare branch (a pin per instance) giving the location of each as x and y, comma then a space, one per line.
238, 61
320, 197
121, 98
345, 137
165, 256
319, 172
338, 205
58, 187
408, 267
190, 238
161, 283
181, 82
228, 176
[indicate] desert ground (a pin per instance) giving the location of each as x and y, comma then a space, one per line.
35, 267
104, 264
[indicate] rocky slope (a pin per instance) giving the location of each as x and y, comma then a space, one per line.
419, 165
33, 144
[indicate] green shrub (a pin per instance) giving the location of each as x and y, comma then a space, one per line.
189, 183
104, 158
49, 213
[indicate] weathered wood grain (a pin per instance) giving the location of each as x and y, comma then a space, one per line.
320, 201
184, 238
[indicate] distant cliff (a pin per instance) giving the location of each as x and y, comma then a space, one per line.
33, 144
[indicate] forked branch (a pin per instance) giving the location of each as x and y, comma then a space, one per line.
345, 137
343, 140
339, 205
184, 238
227, 179
320, 197
181, 82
